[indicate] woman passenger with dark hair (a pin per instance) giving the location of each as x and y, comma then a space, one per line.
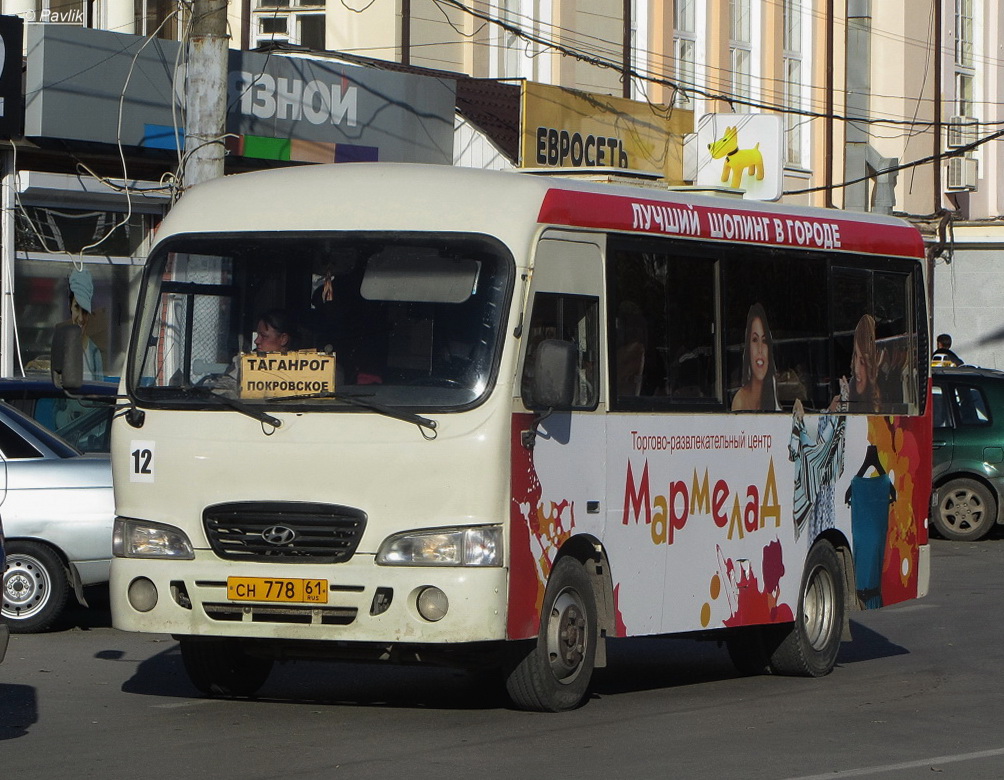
759, 390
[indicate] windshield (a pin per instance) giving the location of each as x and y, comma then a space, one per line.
288, 320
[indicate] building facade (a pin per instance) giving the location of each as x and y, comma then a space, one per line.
888, 106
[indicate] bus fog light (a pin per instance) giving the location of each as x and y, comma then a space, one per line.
432, 604
142, 594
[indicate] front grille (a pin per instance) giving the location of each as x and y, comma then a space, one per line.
260, 613
284, 531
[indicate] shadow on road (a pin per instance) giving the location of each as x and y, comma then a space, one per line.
18, 711
640, 664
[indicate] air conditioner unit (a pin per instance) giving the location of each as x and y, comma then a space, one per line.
962, 130
962, 173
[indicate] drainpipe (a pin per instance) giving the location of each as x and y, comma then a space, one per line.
938, 78
626, 74
828, 109
858, 69
406, 32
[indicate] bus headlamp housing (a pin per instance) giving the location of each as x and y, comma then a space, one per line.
474, 546
143, 539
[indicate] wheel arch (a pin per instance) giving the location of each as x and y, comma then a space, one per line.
72, 575
589, 551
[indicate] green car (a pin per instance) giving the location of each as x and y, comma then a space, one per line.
968, 451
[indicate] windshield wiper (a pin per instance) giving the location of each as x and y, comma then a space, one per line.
233, 403
364, 403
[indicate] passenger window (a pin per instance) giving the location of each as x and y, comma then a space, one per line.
14, 447
972, 406
942, 418
571, 318
663, 347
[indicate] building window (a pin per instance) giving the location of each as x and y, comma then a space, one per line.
685, 48
509, 47
288, 21
964, 33
158, 17
792, 55
740, 48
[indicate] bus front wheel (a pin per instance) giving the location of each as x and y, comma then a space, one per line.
808, 648
554, 675
222, 667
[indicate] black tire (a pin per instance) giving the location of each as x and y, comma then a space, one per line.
554, 674
222, 667
965, 512
35, 587
809, 646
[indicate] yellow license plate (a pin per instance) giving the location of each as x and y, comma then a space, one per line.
283, 591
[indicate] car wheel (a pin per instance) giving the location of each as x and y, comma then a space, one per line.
35, 587
554, 674
966, 510
223, 667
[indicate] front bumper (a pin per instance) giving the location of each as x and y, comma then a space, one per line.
366, 602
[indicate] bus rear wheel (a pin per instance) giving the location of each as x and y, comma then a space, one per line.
555, 674
222, 667
809, 647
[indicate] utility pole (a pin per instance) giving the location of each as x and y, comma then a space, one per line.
206, 92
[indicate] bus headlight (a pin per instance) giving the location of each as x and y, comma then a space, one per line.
477, 546
142, 539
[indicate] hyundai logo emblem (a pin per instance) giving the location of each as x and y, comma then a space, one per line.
278, 535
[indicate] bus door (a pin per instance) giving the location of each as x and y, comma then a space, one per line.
558, 472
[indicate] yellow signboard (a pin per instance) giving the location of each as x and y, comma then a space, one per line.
285, 374
565, 128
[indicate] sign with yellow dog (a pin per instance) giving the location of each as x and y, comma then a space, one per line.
742, 152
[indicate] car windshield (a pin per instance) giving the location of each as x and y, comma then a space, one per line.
318, 319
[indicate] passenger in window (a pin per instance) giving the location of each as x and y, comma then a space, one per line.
274, 331
863, 393
759, 389
632, 339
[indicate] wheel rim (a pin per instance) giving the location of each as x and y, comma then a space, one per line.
567, 629
963, 511
818, 608
26, 586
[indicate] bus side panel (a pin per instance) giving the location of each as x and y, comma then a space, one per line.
737, 501
526, 581
553, 485
709, 517
905, 445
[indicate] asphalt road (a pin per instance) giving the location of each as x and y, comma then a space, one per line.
917, 694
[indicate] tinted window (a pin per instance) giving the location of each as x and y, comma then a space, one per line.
972, 405
14, 446
662, 327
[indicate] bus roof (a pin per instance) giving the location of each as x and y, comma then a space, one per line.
512, 206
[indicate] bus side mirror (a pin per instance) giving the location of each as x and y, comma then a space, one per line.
67, 357
554, 373
555, 370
